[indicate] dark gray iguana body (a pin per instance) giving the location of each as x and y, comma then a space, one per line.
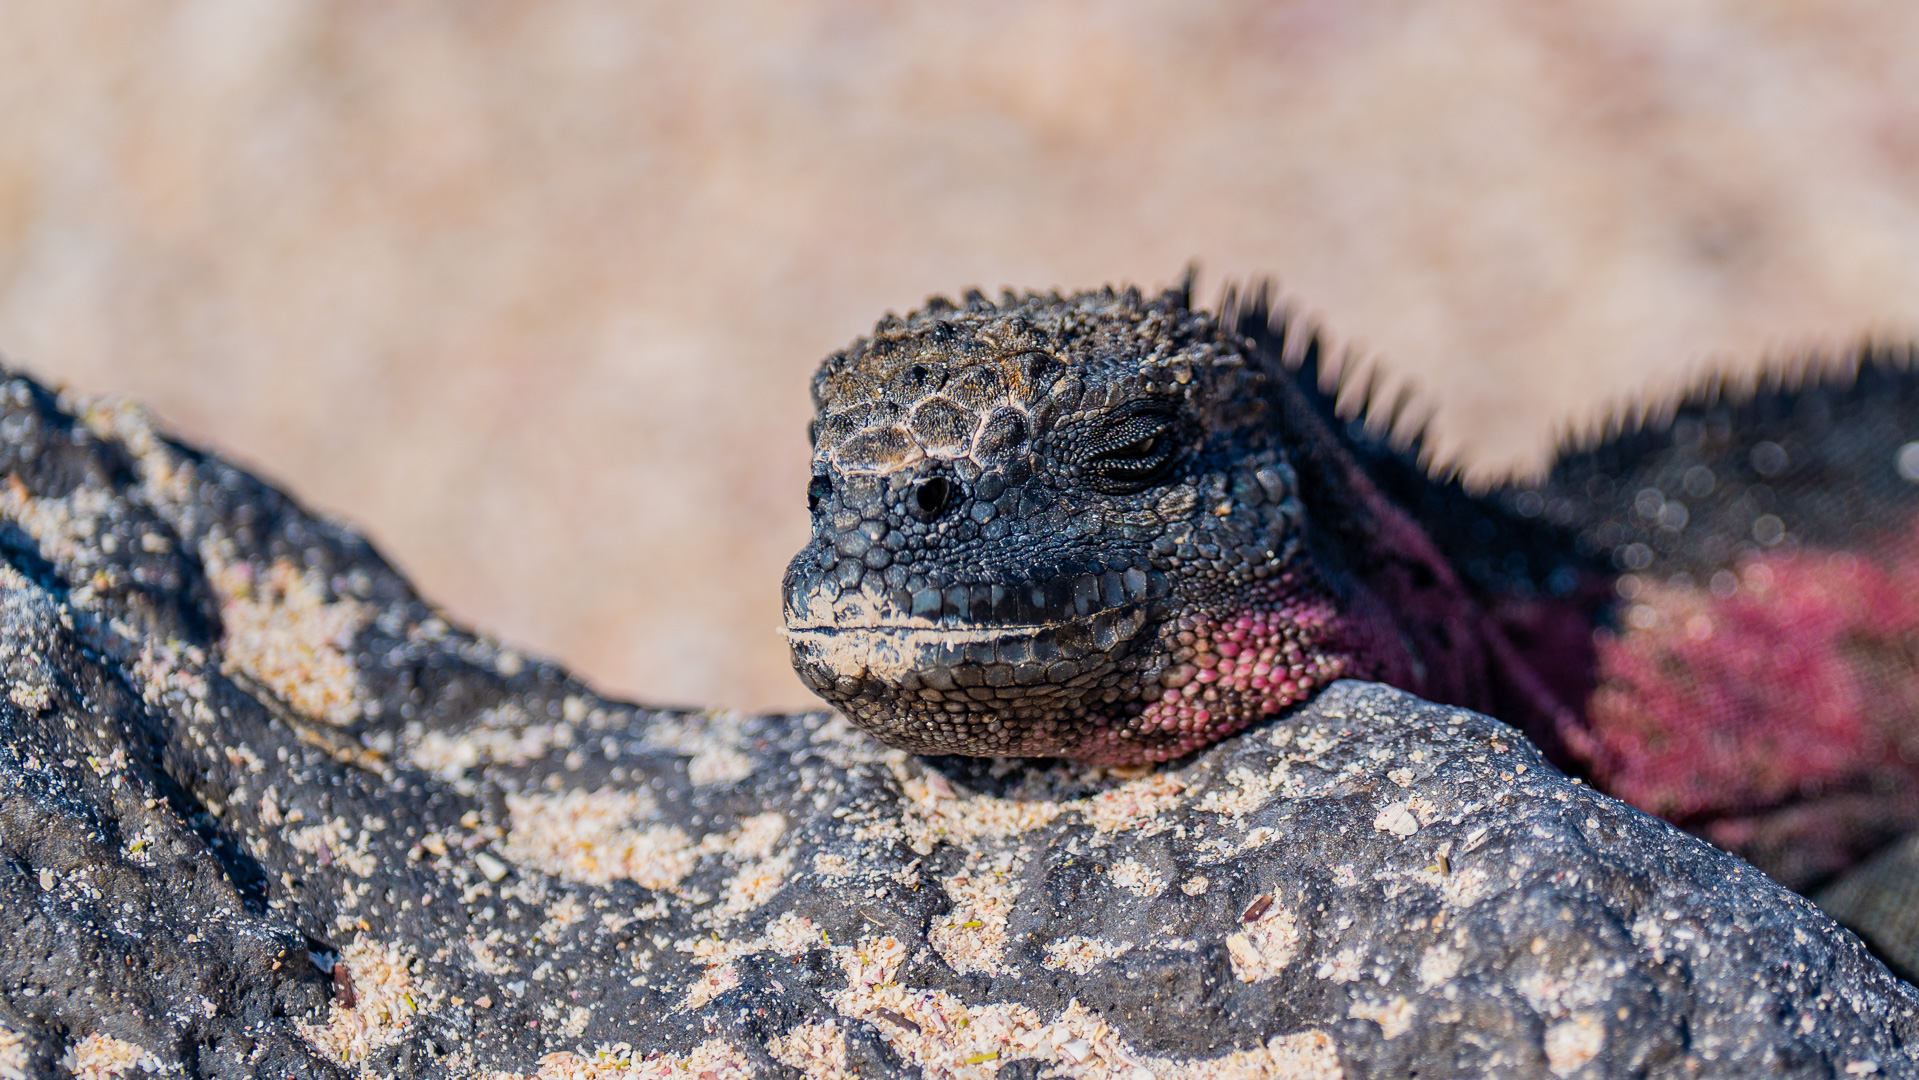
1115, 528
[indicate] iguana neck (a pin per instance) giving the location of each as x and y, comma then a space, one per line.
1406, 617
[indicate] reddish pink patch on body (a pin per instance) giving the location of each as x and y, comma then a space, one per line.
1799, 677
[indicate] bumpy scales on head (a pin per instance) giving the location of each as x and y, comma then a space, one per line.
1105, 527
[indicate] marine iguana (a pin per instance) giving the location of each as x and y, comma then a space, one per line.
1114, 527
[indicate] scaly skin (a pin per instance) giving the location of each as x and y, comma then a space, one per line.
1103, 527
1758, 681
1114, 528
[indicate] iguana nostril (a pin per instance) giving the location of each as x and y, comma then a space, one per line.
931, 496
819, 488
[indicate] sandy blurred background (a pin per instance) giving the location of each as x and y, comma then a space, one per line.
531, 292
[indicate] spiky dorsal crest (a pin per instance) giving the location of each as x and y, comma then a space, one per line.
1742, 400
1374, 412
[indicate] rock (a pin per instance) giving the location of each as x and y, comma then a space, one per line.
264, 812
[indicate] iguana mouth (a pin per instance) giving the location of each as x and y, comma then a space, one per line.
934, 688
1042, 643
903, 653
1009, 607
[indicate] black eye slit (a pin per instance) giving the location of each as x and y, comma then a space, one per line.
818, 488
930, 497
1139, 449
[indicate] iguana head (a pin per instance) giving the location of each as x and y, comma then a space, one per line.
1060, 526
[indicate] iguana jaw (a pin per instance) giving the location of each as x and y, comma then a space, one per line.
943, 689
1121, 686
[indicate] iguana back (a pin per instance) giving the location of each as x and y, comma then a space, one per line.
1725, 589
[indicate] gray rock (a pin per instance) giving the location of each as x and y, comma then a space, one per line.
263, 812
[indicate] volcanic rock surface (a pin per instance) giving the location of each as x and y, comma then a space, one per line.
264, 813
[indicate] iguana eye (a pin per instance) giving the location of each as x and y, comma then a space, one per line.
1135, 451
